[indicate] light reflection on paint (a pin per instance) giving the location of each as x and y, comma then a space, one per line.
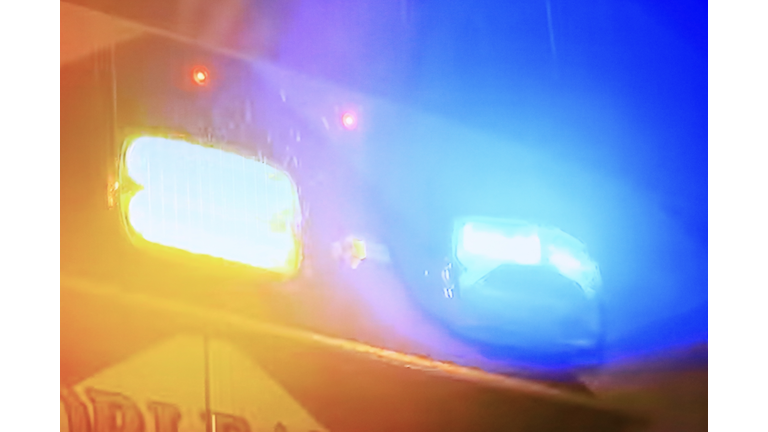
212, 202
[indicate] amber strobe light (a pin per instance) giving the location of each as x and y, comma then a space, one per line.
211, 202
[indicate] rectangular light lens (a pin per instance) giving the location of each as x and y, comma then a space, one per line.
496, 245
209, 201
482, 244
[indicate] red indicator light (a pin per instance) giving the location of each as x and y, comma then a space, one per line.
200, 76
349, 120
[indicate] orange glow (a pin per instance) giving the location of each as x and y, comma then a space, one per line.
167, 378
200, 75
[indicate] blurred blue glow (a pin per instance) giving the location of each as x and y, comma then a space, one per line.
591, 117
